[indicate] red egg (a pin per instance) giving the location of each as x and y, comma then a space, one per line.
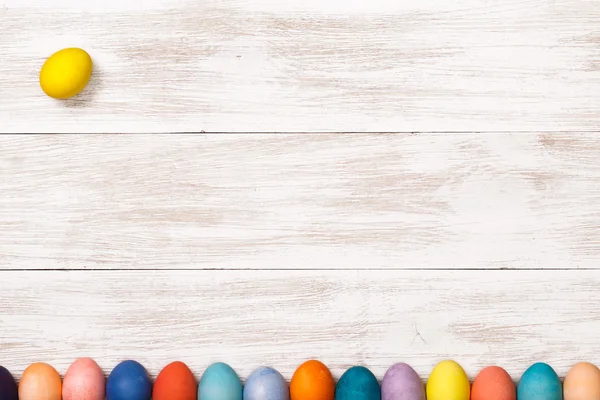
84, 380
175, 382
493, 383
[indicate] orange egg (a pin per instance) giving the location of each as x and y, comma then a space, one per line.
40, 382
175, 382
493, 383
312, 381
582, 382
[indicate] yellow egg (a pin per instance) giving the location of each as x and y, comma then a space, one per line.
66, 73
448, 381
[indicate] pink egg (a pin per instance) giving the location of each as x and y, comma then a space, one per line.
84, 380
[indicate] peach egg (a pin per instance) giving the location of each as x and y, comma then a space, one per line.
40, 381
582, 382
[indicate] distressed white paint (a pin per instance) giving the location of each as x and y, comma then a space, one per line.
213, 229
299, 201
298, 65
281, 318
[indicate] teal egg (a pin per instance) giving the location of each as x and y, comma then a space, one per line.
358, 383
539, 382
219, 382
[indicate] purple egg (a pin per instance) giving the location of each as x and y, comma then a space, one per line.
8, 386
401, 382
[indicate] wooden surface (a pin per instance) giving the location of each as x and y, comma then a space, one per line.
300, 201
298, 65
301, 229
281, 318
255, 249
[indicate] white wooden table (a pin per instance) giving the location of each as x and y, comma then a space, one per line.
261, 182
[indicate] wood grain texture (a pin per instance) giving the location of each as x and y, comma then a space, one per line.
281, 318
298, 65
355, 201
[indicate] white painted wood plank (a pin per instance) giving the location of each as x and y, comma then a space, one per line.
299, 201
298, 65
281, 318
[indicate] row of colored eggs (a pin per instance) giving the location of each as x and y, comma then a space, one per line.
129, 380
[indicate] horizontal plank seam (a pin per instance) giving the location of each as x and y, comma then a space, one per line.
307, 133
110, 270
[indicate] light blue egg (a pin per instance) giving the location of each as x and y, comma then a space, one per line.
539, 382
266, 384
219, 382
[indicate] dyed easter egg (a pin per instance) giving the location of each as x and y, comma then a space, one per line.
448, 381
129, 380
66, 73
582, 382
539, 382
220, 382
266, 384
357, 383
84, 380
312, 381
493, 383
401, 382
8, 386
175, 382
40, 382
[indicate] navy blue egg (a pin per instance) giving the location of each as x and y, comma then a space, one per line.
539, 382
8, 386
266, 384
129, 380
358, 383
